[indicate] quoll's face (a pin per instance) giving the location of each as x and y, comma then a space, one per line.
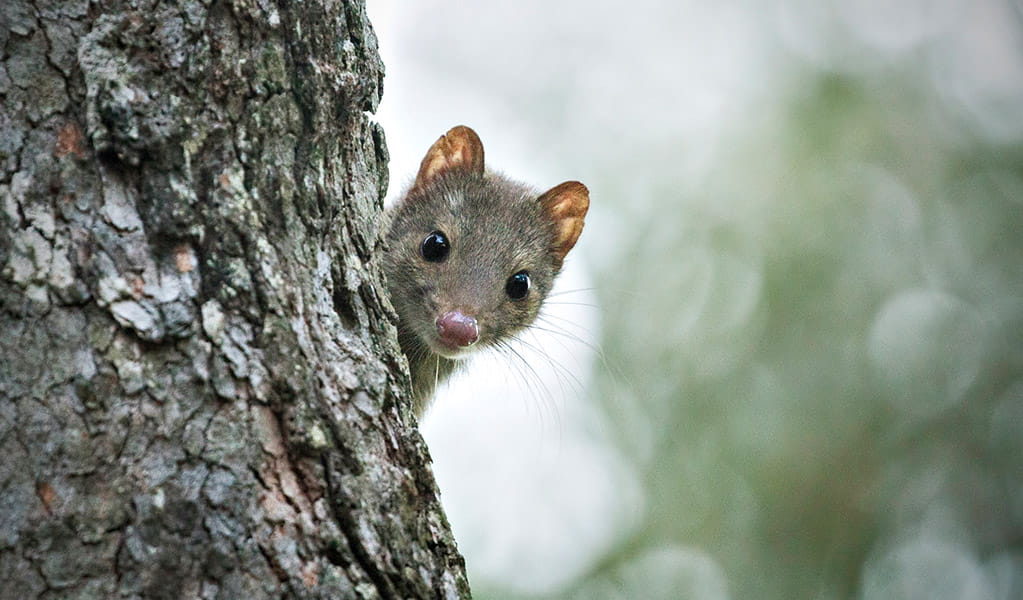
472, 254
477, 261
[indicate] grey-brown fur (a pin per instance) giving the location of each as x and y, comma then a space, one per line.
496, 228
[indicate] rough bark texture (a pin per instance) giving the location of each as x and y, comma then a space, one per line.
200, 392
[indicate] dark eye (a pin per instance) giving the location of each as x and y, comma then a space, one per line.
435, 247
518, 285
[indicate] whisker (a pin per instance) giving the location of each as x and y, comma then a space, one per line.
547, 398
564, 322
558, 366
558, 330
568, 384
562, 303
616, 375
573, 291
436, 374
553, 329
624, 291
530, 377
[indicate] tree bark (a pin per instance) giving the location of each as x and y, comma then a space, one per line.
201, 393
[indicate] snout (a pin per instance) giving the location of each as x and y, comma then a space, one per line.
457, 330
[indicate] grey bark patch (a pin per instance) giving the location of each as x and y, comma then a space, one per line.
19, 494
37, 82
118, 209
140, 318
131, 112
17, 16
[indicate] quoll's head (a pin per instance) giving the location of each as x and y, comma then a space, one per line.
472, 254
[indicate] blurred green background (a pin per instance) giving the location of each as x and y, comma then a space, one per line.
802, 276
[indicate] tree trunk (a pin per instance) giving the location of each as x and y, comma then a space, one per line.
200, 388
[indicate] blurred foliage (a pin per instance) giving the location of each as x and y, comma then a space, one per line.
807, 243
830, 401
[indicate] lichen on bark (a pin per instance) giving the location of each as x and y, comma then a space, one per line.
200, 392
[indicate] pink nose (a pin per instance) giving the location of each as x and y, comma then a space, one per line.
457, 329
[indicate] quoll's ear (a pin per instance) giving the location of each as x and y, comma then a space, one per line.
459, 148
566, 205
